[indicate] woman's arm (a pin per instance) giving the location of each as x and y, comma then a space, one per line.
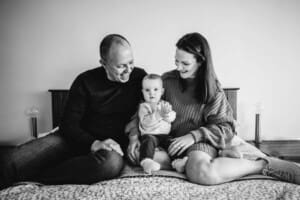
219, 126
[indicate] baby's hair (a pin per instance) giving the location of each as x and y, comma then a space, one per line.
152, 77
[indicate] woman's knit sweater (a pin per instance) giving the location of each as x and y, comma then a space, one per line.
213, 122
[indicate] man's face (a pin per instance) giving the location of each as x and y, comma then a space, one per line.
119, 64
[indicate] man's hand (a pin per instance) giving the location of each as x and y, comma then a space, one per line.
134, 149
108, 144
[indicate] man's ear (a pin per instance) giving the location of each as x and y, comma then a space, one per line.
102, 62
162, 91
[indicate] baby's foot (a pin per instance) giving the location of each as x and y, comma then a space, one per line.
150, 165
231, 152
179, 164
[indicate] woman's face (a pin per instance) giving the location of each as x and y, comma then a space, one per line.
186, 63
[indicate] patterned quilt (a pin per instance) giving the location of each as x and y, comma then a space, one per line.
134, 184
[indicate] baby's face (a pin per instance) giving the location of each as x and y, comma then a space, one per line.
152, 90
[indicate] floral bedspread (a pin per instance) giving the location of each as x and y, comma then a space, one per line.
162, 185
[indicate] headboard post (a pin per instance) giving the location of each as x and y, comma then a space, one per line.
60, 96
231, 94
58, 100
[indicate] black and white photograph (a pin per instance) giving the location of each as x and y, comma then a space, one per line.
136, 99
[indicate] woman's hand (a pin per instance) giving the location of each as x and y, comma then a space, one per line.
180, 144
108, 144
134, 149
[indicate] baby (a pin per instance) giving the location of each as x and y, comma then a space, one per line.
155, 117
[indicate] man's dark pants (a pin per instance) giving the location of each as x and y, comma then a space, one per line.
51, 160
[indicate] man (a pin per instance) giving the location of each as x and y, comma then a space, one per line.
90, 144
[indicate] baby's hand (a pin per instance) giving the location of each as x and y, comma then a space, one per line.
165, 109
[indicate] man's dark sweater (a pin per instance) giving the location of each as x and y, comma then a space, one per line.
98, 108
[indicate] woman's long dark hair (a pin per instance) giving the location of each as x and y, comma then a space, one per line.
207, 82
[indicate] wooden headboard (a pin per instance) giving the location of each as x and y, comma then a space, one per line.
59, 98
285, 149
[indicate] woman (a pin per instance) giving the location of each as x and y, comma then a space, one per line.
204, 122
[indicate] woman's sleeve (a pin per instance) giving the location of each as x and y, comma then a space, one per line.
219, 124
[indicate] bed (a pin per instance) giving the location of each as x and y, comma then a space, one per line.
134, 184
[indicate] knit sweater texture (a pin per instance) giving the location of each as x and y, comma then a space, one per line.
152, 122
98, 109
212, 123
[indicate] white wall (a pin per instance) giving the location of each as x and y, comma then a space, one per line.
255, 46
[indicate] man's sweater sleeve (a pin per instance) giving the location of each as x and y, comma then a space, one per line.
132, 127
219, 126
74, 111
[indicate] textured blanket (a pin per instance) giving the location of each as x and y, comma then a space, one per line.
133, 184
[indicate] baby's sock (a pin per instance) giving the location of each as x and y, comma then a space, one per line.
179, 164
150, 165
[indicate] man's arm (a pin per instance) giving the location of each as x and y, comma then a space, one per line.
73, 114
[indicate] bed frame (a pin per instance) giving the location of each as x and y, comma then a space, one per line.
60, 96
285, 149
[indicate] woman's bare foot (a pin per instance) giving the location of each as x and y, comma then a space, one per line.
231, 152
284, 170
179, 164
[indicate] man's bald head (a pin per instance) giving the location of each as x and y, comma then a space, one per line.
116, 58
108, 42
